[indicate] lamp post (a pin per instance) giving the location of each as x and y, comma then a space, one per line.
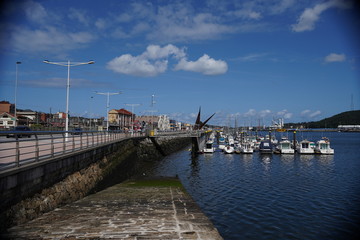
68, 64
16, 83
132, 113
107, 105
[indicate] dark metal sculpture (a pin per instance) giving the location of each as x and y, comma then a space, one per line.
198, 124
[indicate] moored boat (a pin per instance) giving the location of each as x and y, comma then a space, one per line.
209, 147
221, 143
229, 149
284, 147
306, 147
323, 147
246, 148
266, 146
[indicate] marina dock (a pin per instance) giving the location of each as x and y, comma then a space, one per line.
141, 209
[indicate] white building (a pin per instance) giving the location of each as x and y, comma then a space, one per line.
349, 127
164, 123
7, 120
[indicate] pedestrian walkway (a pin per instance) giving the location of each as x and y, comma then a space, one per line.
142, 209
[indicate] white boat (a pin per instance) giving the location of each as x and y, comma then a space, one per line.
209, 148
229, 149
323, 147
221, 143
306, 147
284, 147
246, 148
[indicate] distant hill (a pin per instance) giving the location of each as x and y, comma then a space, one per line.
345, 118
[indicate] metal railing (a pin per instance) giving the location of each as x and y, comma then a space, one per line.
21, 148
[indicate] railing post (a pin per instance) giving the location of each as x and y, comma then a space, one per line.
36, 148
52, 145
81, 142
17, 158
64, 142
73, 142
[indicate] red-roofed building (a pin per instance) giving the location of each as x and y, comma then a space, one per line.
7, 107
120, 119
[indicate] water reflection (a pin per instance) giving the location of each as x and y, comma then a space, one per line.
306, 160
325, 159
247, 160
229, 157
266, 161
287, 159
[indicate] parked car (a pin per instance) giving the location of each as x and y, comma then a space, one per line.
20, 131
76, 131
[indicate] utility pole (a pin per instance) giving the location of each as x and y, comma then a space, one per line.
16, 83
107, 105
132, 114
68, 64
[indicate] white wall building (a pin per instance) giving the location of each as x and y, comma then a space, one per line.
7, 120
164, 123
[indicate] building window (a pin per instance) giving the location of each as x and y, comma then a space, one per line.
10, 122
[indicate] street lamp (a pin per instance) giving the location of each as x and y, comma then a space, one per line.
68, 64
107, 105
132, 112
16, 83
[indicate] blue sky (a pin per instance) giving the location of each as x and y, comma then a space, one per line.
246, 59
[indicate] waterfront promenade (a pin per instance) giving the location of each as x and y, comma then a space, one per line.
141, 209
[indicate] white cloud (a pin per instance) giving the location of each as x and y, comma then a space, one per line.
258, 114
253, 57
245, 13
284, 114
34, 11
310, 16
305, 112
250, 113
315, 114
308, 114
155, 60
61, 83
264, 113
137, 66
78, 15
334, 57
204, 65
281, 6
101, 23
156, 52
150, 63
48, 39
178, 22
47, 32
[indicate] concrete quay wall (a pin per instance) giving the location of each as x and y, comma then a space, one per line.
31, 190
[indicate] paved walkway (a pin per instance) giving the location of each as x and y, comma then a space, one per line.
144, 209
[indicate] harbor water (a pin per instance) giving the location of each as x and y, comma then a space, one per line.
268, 196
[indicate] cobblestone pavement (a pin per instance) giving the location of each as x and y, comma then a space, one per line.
123, 211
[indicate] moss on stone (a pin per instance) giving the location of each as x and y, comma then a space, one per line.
157, 182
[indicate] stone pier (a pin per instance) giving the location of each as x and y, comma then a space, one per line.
135, 209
